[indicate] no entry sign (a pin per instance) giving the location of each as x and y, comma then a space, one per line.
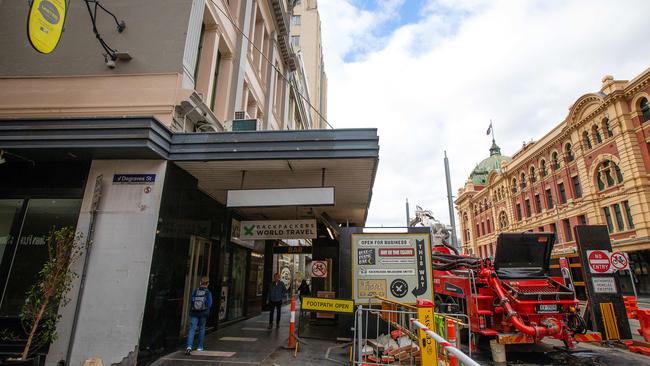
598, 261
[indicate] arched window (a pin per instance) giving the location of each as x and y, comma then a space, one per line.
586, 140
596, 133
645, 109
608, 128
523, 180
568, 151
555, 161
608, 174
514, 185
542, 168
533, 176
503, 220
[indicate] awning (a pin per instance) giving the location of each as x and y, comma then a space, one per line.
345, 159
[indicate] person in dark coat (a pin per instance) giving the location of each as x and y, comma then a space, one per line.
304, 289
274, 297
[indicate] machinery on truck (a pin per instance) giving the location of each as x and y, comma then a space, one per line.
511, 298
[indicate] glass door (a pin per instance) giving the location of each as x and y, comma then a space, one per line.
198, 264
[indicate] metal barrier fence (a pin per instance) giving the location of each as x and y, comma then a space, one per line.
399, 334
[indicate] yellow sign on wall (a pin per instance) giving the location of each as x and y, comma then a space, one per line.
333, 305
45, 24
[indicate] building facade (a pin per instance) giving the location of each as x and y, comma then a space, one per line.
137, 142
306, 40
592, 168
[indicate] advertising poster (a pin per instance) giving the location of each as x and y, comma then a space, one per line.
394, 266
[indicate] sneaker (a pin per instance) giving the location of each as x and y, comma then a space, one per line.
200, 349
188, 351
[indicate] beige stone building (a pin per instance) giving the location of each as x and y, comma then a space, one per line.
593, 168
306, 40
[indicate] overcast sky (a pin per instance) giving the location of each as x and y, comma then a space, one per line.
431, 74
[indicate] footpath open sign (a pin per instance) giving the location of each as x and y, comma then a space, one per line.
331, 305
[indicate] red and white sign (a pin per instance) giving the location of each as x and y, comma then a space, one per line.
319, 269
598, 261
397, 252
619, 261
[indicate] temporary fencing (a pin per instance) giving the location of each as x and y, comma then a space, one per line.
402, 334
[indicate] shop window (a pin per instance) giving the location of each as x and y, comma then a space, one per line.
30, 249
567, 230
608, 175
576, 186
620, 225
645, 109
528, 210
568, 152
538, 204
608, 218
518, 208
542, 168
596, 133
628, 214
560, 188
555, 161
586, 140
549, 199
9, 210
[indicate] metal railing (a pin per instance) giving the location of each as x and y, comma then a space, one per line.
462, 357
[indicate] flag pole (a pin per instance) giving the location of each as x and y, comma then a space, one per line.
492, 130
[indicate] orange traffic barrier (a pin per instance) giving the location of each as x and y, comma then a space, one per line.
644, 319
631, 306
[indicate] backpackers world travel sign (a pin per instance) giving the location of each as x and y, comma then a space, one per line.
394, 266
278, 229
45, 24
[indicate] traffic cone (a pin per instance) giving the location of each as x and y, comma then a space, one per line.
292, 321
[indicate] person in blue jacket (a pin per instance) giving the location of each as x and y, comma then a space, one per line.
200, 304
274, 297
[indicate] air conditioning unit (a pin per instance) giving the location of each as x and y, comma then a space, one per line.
240, 125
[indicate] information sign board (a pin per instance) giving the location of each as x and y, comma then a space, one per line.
331, 305
393, 265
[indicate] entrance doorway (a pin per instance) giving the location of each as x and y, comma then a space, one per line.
198, 264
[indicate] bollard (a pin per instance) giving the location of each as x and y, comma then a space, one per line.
292, 321
451, 337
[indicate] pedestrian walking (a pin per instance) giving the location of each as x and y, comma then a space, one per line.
274, 298
200, 304
304, 289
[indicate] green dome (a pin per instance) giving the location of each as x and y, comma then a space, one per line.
480, 173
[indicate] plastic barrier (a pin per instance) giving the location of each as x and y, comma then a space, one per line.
644, 319
631, 306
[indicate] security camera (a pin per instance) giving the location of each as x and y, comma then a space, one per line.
110, 63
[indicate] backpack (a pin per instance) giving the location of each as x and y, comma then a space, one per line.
200, 300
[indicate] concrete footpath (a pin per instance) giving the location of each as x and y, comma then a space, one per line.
250, 343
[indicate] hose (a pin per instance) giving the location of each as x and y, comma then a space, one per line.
577, 324
551, 327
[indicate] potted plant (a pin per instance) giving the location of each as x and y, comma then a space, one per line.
39, 315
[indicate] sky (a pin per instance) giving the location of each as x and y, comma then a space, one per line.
430, 75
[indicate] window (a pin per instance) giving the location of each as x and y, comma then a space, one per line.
503, 220
295, 20
645, 110
295, 41
523, 180
560, 188
549, 199
568, 151
555, 161
582, 220
482, 228
528, 210
606, 172
608, 217
586, 140
620, 225
540, 229
215, 80
628, 214
518, 212
567, 230
542, 168
514, 185
596, 133
478, 230
538, 204
533, 178
554, 229
576, 186
489, 227
608, 128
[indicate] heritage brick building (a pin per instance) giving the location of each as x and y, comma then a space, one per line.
593, 168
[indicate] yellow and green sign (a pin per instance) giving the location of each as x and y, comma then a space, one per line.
45, 24
332, 305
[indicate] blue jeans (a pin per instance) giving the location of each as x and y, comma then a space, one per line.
194, 321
